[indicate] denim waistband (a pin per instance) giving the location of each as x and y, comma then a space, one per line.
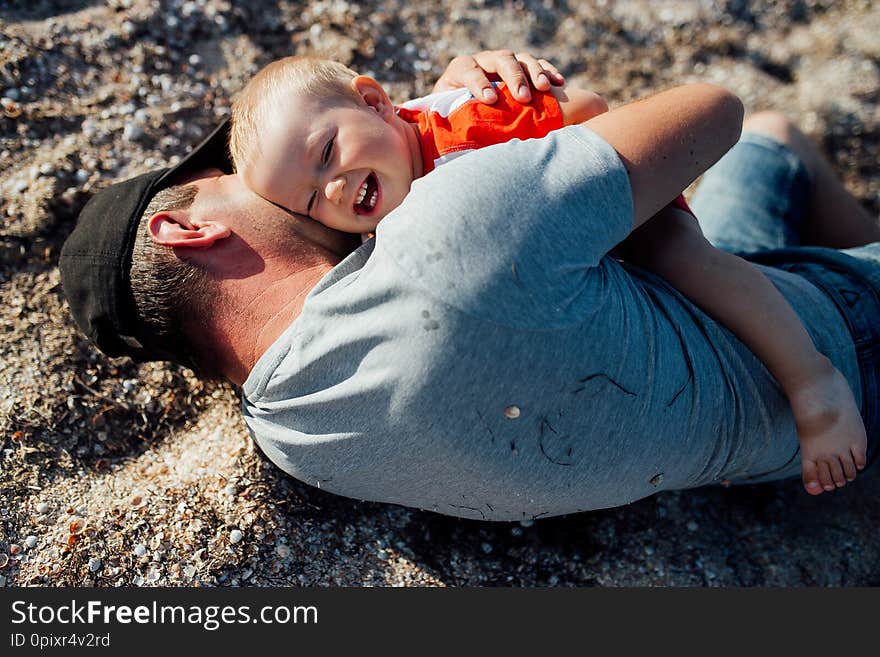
854, 287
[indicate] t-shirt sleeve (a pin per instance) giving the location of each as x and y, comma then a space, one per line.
517, 232
477, 125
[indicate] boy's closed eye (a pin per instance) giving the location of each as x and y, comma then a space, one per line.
326, 157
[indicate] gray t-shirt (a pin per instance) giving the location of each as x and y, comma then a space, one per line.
485, 357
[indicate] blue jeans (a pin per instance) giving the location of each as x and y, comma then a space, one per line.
753, 203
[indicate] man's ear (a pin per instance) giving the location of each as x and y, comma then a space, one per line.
373, 95
174, 228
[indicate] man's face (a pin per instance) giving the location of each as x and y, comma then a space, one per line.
335, 160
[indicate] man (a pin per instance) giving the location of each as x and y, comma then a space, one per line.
485, 356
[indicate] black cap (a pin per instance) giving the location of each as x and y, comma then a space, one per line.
95, 260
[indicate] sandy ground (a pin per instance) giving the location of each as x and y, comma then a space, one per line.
117, 474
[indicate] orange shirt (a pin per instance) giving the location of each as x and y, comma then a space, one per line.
452, 123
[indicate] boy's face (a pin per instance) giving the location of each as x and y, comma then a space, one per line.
346, 163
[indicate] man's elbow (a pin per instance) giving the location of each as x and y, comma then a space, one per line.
728, 110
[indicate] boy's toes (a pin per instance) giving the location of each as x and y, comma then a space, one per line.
825, 476
836, 472
810, 476
859, 456
849, 467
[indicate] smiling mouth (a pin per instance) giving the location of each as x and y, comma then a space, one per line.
368, 195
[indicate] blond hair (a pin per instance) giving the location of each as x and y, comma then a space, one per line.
268, 89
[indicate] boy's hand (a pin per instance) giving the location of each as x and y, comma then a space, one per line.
516, 70
830, 431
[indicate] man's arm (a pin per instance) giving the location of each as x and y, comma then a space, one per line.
563, 221
668, 140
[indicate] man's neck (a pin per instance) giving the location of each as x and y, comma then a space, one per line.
255, 322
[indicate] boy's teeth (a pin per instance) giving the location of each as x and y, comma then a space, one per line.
362, 192
373, 198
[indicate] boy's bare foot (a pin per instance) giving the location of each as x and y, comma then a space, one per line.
830, 431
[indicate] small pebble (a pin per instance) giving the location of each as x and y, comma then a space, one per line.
132, 132
486, 547
94, 564
10, 108
692, 526
282, 551
189, 570
235, 536
14, 548
30, 542
4, 559
511, 412
42, 507
140, 550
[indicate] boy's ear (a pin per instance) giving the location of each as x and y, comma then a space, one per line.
174, 228
373, 95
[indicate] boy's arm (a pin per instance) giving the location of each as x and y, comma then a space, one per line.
731, 290
741, 298
578, 105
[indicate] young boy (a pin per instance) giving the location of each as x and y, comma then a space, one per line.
317, 139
